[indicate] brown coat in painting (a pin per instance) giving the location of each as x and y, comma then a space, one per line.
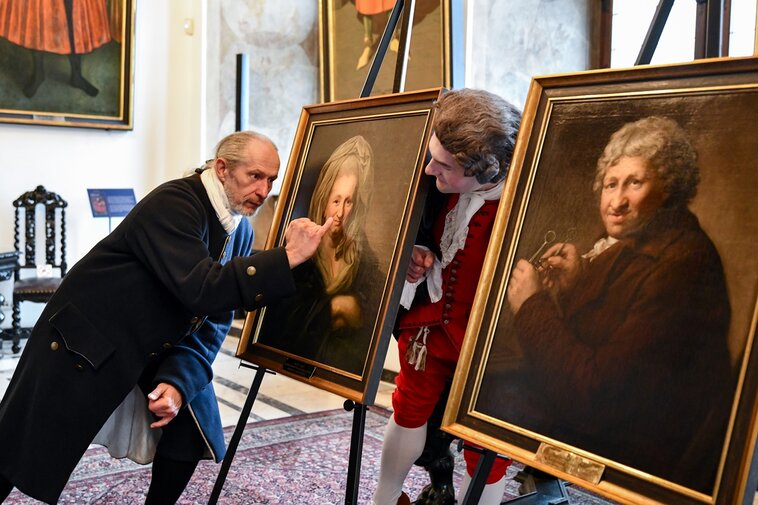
633, 364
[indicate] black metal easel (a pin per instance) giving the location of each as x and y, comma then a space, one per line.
406, 7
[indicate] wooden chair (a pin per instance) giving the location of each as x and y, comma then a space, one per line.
28, 285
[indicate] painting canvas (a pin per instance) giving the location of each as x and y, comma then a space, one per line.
350, 31
67, 62
360, 163
612, 342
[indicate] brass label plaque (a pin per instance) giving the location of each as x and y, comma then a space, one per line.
570, 463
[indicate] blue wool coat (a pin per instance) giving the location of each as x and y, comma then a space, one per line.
140, 295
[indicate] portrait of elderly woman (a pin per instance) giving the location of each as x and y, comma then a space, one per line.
327, 321
626, 344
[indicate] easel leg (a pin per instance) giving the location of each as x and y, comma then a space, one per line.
479, 479
356, 451
237, 435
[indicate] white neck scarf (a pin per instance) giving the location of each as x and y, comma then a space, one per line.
599, 248
453, 239
220, 202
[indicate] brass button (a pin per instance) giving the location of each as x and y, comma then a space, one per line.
251, 270
54, 346
194, 320
152, 355
79, 367
258, 297
167, 345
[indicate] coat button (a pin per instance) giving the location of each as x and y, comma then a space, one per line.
446, 321
167, 345
251, 270
194, 320
79, 367
258, 297
152, 355
54, 346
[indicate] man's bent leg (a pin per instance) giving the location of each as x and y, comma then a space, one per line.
402, 446
495, 483
492, 494
170, 477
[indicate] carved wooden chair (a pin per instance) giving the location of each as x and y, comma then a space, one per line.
29, 285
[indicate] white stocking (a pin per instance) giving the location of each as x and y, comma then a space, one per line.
492, 494
402, 446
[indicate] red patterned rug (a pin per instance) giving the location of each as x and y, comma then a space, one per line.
294, 460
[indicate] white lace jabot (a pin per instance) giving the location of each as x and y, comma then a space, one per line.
453, 239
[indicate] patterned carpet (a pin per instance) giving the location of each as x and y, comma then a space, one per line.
294, 460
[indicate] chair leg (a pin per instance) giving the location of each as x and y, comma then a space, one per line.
16, 326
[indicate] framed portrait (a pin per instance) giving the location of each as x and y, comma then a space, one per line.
360, 163
349, 34
612, 342
67, 63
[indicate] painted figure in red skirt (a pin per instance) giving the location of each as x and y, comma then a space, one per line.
69, 27
471, 149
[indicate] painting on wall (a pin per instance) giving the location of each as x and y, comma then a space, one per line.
350, 31
67, 63
612, 341
360, 163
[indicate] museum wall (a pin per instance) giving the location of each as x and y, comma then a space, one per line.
165, 140
184, 87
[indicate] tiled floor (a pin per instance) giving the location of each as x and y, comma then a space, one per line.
278, 396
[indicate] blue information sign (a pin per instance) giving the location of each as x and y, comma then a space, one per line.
111, 202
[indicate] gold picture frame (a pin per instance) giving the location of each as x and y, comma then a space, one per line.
435, 59
44, 82
599, 412
333, 333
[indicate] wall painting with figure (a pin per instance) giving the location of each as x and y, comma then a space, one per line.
67, 62
613, 345
349, 34
361, 164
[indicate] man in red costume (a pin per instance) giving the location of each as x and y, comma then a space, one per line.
471, 150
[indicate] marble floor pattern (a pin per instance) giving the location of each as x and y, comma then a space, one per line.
278, 396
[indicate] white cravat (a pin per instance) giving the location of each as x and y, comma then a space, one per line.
220, 202
599, 248
453, 239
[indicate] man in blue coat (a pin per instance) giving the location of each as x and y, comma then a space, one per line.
148, 308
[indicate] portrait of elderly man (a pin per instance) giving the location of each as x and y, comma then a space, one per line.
626, 344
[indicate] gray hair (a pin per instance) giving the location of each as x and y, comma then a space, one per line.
233, 148
669, 154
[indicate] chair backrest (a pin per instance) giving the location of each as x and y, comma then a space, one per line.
55, 229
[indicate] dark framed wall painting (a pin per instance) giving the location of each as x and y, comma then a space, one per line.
360, 162
349, 33
627, 380
67, 63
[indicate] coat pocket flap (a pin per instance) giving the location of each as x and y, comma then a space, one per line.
80, 336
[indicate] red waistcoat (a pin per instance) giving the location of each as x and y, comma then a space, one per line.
459, 278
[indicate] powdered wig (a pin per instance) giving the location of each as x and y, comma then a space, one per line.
233, 148
668, 152
349, 247
479, 129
